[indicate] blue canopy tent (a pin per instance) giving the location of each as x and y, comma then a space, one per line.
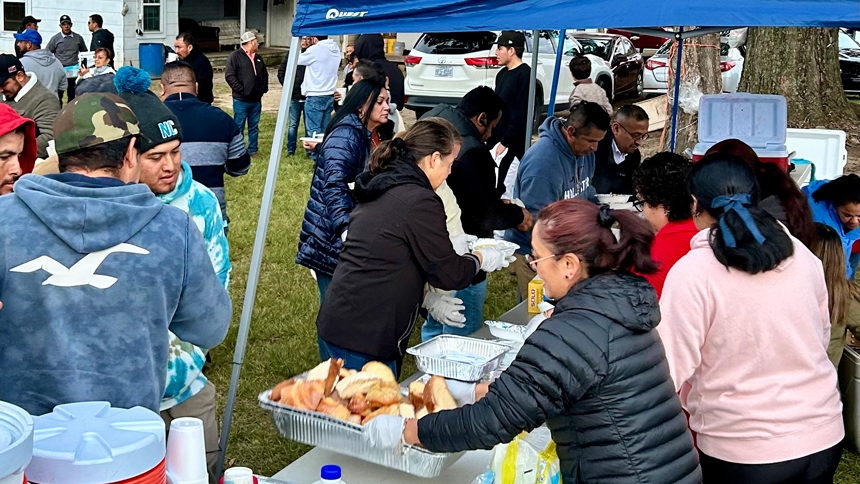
338, 17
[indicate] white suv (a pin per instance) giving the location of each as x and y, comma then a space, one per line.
442, 68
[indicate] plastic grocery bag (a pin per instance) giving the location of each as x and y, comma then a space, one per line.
737, 38
528, 459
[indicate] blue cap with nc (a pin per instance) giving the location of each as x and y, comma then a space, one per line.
31, 36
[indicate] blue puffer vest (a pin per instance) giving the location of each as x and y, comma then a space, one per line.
342, 156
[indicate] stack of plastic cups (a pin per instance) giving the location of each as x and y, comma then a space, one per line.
186, 452
16, 443
92, 443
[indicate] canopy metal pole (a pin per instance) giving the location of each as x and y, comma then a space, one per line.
559, 54
243, 17
259, 244
679, 38
530, 116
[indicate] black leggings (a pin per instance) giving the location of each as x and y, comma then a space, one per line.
817, 468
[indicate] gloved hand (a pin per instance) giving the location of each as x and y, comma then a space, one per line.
518, 202
494, 257
445, 309
343, 236
384, 432
461, 243
463, 392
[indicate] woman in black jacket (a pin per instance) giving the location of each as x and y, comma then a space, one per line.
341, 157
595, 372
397, 243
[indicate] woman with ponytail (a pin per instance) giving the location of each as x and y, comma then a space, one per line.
746, 328
594, 373
397, 242
340, 158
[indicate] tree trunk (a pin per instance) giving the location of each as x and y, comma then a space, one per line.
801, 64
700, 74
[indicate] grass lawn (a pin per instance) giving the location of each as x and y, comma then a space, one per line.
282, 340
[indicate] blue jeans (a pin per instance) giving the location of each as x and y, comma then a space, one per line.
249, 112
296, 109
352, 360
473, 298
323, 281
317, 114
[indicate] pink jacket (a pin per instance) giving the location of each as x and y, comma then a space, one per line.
749, 353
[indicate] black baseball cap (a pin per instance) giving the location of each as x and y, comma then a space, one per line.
29, 19
9, 67
64, 19
512, 38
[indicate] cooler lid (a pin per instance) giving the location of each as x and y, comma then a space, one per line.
759, 120
92, 443
16, 439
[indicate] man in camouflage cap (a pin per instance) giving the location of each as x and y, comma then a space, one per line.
96, 271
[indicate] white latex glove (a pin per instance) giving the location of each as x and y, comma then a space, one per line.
461, 243
384, 432
445, 309
494, 257
463, 392
518, 202
343, 236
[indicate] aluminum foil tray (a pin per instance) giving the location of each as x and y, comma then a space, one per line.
458, 357
327, 432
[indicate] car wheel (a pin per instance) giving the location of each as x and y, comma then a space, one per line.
538, 118
606, 86
640, 87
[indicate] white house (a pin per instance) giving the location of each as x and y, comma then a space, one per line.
134, 22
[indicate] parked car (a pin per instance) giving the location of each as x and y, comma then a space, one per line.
443, 67
849, 63
619, 54
657, 68
646, 44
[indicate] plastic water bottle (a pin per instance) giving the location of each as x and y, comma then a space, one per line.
330, 474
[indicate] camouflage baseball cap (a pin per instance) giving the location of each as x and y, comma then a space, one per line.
93, 119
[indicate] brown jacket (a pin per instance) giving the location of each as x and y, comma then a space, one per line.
838, 330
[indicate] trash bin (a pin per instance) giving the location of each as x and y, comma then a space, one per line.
849, 383
152, 59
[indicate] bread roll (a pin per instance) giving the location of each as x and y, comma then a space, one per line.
319, 372
358, 383
387, 410
275, 396
383, 394
306, 395
356, 419
359, 405
407, 410
416, 394
331, 407
437, 397
380, 369
422, 412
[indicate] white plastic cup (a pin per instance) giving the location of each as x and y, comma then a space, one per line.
186, 452
342, 91
171, 57
238, 475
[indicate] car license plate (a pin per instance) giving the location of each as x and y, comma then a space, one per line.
444, 72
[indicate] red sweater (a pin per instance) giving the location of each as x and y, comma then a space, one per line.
670, 244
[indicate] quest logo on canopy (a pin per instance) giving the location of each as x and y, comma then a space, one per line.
334, 13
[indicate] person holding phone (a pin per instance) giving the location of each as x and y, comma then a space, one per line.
101, 65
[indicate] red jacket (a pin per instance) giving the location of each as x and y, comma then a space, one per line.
10, 121
670, 244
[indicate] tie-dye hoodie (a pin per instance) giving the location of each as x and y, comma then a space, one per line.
185, 367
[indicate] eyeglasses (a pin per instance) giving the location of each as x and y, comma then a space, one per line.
534, 262
638, 205
636, 137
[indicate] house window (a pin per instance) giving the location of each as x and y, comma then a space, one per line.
231, 8
13, 14
152, 15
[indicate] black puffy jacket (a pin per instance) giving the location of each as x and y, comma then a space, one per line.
342, 156
597, 375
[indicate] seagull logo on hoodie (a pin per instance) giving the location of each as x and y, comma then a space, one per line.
80, 274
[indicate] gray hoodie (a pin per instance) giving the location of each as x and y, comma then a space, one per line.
93, 274
49, 71
323, 61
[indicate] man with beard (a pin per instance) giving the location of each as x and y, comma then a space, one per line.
17, 147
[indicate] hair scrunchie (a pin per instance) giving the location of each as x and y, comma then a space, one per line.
736, 202
605, 218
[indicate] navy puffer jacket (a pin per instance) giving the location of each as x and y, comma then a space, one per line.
342, 156
596, 374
